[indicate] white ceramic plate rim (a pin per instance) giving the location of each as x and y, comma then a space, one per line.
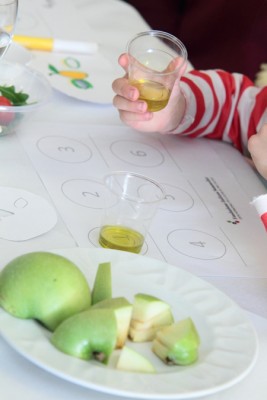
229, 343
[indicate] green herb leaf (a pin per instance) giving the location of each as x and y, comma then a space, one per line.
16, 98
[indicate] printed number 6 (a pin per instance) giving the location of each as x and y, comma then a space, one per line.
138, 153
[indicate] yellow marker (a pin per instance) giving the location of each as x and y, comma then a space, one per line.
57, 45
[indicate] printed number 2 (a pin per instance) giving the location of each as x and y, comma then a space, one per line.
90, 194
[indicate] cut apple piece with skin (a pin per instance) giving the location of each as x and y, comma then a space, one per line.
163, 318
43, 286
149, 314
147, 307
146, 331
123, 310
91, 334
177, 343
102, 288
132, 361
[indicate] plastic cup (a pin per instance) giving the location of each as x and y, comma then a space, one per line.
156, 61
132, 201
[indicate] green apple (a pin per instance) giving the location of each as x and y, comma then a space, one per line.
177, 343
123, 311
132, 361
145, 331
43, 286
102, 288
149, 314
88, 335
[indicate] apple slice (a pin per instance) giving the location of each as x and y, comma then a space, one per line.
43, 286
123, 311
132, 361
102, 288
145, 331
149, 314
146, 307
91, 334
177, 343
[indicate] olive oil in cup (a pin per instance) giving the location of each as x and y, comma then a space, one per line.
154, 93
156, 60
121, 238
132, 201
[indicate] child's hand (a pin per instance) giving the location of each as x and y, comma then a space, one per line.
133, 112
261, 76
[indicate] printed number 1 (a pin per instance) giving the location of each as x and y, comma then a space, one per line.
199, 244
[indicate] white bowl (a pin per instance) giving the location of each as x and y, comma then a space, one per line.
26, 80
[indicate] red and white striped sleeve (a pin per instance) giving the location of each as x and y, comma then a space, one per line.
224, 106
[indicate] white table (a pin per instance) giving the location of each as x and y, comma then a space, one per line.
112, 23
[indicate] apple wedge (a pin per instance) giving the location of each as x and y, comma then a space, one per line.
43, 286
177, 343
91, 334
149, 314
102, 288
132, 361
123, 310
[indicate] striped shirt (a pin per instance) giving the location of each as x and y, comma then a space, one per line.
223, 106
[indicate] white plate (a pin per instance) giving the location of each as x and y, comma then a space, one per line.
94, 87
228, 342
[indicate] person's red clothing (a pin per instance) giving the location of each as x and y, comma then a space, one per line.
223, 106
218, 34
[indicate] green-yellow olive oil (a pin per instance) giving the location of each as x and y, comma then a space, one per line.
153, 93
121, 238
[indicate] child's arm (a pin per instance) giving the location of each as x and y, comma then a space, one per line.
223, 106
218, 105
